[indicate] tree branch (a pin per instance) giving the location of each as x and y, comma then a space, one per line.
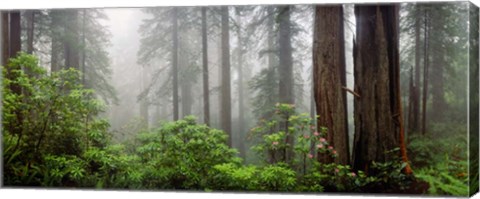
351, 91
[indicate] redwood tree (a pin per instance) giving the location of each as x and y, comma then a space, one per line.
329, 79
378, 112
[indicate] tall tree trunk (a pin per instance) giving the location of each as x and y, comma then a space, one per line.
175, 63
271, 35
84, 47
411, 104
14, 47
473, 98
416, 85
226, 112
329, 78
285, 71
55, 42
425, 73
30, 15
5, 38
271, 48
271, 66
285, 46
378, 112
15, 34
71, 50
241, 103
206, 93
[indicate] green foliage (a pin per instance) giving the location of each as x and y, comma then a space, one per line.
51, 115
272, 135
334, 177
447, 177
252, 178
179, 154
441, 161
427, 150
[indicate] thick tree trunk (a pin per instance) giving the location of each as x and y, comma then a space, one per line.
285, 71
175, 63
378, 112
329, 78
206, 93
473, 98
226, 112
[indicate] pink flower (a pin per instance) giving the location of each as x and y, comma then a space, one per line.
319, 146
353, 174
306, 136
310, 156
334, 152
316, 133
336, 170
275, 143
322, 140
330, 147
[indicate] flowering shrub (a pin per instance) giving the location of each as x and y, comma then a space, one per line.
52, 119
272, 135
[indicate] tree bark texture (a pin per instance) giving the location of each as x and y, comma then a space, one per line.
329, 78
378, 112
